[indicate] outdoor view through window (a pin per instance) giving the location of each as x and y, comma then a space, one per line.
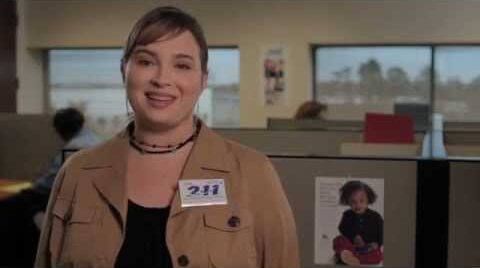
90, 79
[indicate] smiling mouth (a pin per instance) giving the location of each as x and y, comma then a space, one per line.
159, 101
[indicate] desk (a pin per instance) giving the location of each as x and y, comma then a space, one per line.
380, 149
465, 150
9, 187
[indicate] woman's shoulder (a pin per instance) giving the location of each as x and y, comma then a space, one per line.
248, 161
246, 155
98, 154
244, 151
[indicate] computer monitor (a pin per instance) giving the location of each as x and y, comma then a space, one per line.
418, 111
68, 152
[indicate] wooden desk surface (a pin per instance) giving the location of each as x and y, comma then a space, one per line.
9, 187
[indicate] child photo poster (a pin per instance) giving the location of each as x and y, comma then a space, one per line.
274, 75
349, 247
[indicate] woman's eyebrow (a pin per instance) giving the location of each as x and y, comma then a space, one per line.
184, 56
143, 50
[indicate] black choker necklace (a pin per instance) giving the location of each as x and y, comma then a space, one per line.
136, 144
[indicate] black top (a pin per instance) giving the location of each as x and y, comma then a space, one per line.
145, 244
368, 225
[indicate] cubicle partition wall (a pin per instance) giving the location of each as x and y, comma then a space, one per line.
300, 142
303, 142
313, 124
464, 220
27, 144
462, 137
301, 177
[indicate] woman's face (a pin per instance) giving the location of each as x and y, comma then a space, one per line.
359, 202
164, 80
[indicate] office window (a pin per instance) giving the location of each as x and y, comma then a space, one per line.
219, 105
355, 80
457, 83
90, 80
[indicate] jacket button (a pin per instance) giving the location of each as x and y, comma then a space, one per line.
234, 221
183, 261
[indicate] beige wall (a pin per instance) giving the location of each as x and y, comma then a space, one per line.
30, 98
249, 25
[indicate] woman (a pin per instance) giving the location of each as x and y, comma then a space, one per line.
167, 191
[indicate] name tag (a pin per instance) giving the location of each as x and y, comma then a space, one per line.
209, 192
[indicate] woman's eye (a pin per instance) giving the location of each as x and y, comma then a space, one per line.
183, 66
144, 62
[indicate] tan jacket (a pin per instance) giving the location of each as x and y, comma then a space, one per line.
86, 215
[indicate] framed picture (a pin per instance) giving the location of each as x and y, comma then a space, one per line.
349, 220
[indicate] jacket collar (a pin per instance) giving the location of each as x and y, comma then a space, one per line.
209, 158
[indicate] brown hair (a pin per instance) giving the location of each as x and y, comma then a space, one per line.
310, 110
351, 187
166, 22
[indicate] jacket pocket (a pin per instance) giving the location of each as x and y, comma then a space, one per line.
229, 237
80, 229
60, 212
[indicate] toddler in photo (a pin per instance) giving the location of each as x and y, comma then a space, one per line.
361, 228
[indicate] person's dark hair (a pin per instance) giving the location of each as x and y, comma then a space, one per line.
310, 110
68, 122
167, 22
353, 186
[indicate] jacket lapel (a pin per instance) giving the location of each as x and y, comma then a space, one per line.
108, 168
208, 159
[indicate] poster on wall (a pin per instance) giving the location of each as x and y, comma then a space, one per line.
349, 221
274, 74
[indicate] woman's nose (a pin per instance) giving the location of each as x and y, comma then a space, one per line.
161, 77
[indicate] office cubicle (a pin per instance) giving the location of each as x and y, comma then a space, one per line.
27, 145
464, 218
461, 139
305, 142
458, 143
399, 178
313, 124
301, 142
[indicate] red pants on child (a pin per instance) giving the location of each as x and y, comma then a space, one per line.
341, 243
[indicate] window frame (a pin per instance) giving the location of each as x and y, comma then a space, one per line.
431, 46
47, 107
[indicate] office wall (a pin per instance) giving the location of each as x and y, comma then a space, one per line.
30, 71
248, 24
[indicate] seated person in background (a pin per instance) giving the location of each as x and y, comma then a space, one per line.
21, 215
361, 228
69, 124
311, 110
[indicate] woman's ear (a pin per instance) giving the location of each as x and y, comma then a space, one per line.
204, 80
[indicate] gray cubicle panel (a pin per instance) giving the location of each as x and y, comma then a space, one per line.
293, 141
296, 142
464, 222
298, 178
466, 137
421, 122
313, 124
462, 126
27, 144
